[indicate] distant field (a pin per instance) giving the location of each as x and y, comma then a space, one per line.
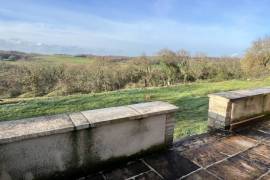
191, 99
64, 59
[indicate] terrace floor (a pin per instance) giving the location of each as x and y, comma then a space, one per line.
212, 156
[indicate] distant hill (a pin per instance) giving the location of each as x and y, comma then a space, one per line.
14, 55
44, 48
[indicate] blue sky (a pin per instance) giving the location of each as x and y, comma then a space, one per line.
134, 27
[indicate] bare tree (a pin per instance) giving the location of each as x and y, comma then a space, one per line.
257, 58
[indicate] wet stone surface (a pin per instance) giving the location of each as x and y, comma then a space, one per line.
200, 175
171, 165
213, 156
130, 170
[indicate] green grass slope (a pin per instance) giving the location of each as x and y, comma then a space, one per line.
191, 99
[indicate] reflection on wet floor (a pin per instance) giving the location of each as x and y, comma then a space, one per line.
220, 155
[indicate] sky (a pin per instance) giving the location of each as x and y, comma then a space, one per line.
135, 27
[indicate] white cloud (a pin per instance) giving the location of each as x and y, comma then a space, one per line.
67, 28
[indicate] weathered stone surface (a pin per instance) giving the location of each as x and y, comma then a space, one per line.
204, 155
169, 129
201, 175
245, 156
148, 176
195, 142
128, 137
238, 167
76, 142
259, 155
100, 117
246, 108
109, 115
34, 127
93, 177
264, 127
153, 108
79, 120
171, 165
219, 112
225, 149
250, 92
256, 135
265, 177
236, 108
127, 171
36, 157
263, 150
239, 142
230, 95
219, 105
266, 104
238, 94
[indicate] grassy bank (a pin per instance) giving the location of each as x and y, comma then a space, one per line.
191, 99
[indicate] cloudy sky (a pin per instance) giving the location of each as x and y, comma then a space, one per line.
134, 27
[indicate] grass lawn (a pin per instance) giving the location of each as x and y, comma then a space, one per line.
191, 99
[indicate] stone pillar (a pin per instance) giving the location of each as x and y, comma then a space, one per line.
233, 109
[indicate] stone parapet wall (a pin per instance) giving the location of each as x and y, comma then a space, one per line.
64, 145
232, 109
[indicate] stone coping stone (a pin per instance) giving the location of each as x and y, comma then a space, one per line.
153, 108
239, 94
34, 127
16, 130
99, 117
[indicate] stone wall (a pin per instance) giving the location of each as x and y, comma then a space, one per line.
62, 146
233, 109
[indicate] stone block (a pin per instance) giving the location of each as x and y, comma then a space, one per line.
100, 117
266, 105
34, 127
247, 108
237, 107
79, 120
153, 108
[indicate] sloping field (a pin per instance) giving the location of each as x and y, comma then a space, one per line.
191, 99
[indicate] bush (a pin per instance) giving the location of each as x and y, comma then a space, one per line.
167, 68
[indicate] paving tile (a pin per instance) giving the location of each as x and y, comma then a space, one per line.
239, 142
204, 155
257, 135
266, 177
237, 167
262, 149
225, 148
259, 154
201, 175
171, 165
198, 141
93, 177
127, 171
148, 176
264, 126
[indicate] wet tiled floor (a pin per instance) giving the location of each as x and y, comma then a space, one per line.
212, 156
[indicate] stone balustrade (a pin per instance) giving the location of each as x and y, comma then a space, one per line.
61, 146
234, 109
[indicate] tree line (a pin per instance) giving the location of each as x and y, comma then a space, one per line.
166, 68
